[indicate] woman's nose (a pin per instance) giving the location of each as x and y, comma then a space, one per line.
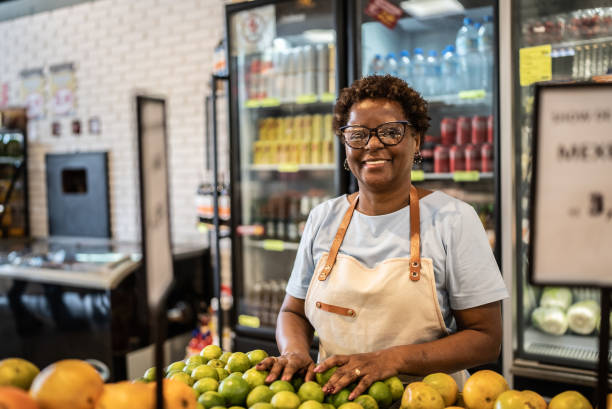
374, 142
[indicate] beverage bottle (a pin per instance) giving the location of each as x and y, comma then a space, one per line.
405, 66
309, 87
418, 70
377, 66
281, 219
322, 69
224, 206
205, 202
432, 74
304, 211
467, 56
391, 65
449, 69
292, 221
269, 220
486, 38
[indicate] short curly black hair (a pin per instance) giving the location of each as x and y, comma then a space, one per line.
383, 87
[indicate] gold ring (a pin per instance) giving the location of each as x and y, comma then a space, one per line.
357, 372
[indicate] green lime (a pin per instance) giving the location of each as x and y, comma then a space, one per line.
311, 391
350, 405
150, 374
340, 397
175, 366
196, 393
238, 362
195, 359
210, 352
255, 378
381, 392
181, 376
256, 356
236, 407
189, 368
225, 356
278, 386
311, 404
367, 402
262, 405
222, 373
200, 406
260, 393
218, 407
215, 363
234, 390
285, 400
210, 399
323, 377
140, 380
235, 374
396, 387
328, 405
205, 385
297, 382
204, 371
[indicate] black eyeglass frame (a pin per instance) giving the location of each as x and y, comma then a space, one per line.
375, 131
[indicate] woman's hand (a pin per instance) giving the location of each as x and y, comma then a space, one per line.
362, 368
288, 364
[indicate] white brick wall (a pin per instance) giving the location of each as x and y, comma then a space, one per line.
160, 47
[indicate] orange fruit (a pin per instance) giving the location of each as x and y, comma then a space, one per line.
482, 388
534, 399
569, 400
126, 395
177, 395
12, 397
445, 385
69, 383
419, 395
17, 372
510, 399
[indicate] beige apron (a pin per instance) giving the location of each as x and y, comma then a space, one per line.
356, 309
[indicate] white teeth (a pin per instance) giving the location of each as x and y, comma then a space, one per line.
374, 162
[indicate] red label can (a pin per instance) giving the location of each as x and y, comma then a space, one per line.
472, 157
486, 157
441, 163
448, 131
490, 129
479, 129
464, 130
456, 158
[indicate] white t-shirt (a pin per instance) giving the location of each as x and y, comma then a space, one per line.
452, 235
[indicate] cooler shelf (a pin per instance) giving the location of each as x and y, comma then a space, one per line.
578, 347
291, 168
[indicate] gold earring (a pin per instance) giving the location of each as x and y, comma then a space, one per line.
346, 166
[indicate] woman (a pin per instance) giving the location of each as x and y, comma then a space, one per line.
394, 279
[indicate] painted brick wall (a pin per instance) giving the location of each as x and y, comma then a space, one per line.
158, 47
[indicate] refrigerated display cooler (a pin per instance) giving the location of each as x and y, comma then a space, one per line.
555, 328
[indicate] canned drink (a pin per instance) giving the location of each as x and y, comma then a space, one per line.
490, 129
328, 130
300, 71
456, 158
448, 131
253, 79
322, 69
310, 65
441, 159
472, 157
292, 86
464, 130
317, 127
479, 129
486, 157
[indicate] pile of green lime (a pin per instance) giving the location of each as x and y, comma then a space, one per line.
226, 380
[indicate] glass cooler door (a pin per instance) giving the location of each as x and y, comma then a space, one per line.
557, 326
447, 51
284, 153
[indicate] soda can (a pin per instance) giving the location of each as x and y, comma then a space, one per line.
441, 159
479, 129
322, 69
310, 65
456, 158
292, 85
300, 71
486, 158
448, 131
490, 129
472, 157
464, 130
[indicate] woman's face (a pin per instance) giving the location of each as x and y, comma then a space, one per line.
378, 167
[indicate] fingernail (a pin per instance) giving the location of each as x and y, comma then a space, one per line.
351, 397
317, 368
269, 379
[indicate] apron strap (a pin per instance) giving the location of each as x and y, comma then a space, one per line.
415, 235
333, 252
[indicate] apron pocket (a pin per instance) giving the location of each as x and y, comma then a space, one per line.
334, 309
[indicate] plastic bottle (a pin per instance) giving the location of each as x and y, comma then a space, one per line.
467, 56
405, 67
449, 70
377, 66
391, 65
432, 74
418, 70
486, 38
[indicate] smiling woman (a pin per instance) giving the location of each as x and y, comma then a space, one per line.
394, 279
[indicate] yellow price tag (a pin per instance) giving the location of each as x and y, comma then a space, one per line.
249, 321
306, 99
252, 103
417, 176
288, 168
269, 102
328, 97
274, 245
535, 64
466, 176
203, 228
472, 94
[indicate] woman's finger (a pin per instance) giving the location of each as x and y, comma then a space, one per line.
310, 375
277, 368
362, 386
344, 379
293, 365
334, 360
266, 363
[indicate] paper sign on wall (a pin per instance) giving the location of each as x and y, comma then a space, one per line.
33, 92
253, 30
63, 89
571, 209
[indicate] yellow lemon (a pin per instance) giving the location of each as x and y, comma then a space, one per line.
445, 385
482, 388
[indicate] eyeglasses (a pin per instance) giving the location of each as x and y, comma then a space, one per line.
389, 134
